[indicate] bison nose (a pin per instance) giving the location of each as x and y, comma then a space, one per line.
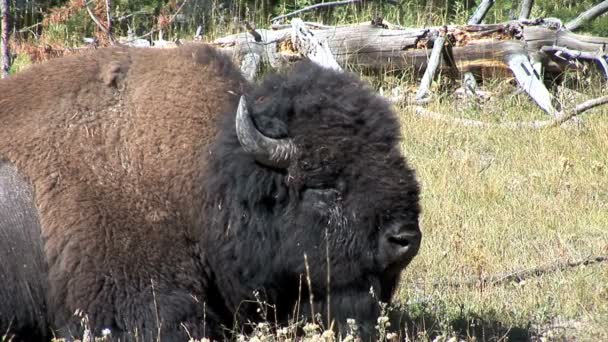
399, 244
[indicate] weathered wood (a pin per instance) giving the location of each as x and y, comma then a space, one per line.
517, 48
316, 49
431, 68
531, 82
250, 66
587, 16
481, 12
474, 47
562, 52
537, 36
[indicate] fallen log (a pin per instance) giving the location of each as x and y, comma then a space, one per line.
475, 48
525, 49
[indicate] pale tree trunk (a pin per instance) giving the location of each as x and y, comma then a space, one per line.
109, 17
4, 9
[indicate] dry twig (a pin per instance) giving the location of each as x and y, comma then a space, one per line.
559, 119
520, 275
99, 24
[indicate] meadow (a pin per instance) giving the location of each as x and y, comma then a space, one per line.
498, 201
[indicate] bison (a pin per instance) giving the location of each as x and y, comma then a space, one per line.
155, 194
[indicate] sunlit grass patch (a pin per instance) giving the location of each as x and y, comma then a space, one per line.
501, 200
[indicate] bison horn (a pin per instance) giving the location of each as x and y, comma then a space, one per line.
267, 151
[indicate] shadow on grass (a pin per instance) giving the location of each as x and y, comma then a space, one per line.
424, 321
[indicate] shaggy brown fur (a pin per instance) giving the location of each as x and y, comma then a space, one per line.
111, 150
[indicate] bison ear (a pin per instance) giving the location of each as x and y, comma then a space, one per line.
276, 153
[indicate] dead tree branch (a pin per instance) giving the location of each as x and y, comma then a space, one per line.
579, 109
559, 119
477, 17
481, 12
563, 52
526, 9
431, 68
99, 24
5, 53
520, 275
587, 16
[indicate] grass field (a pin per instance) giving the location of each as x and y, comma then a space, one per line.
503, 200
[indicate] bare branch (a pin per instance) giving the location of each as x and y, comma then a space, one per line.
559, 119
580, 109
98, 22
526, 9
587, 16
307, 23
431, 68
321, 5
481, 12
520, 275
127, 16
564, 52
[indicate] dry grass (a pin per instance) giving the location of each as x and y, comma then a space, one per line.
497, 200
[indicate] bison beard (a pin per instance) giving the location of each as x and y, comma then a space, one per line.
163, 212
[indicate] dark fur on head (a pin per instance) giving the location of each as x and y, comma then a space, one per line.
349, 182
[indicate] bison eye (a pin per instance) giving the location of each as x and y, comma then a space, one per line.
305, 165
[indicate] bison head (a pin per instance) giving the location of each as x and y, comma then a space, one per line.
312, 176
